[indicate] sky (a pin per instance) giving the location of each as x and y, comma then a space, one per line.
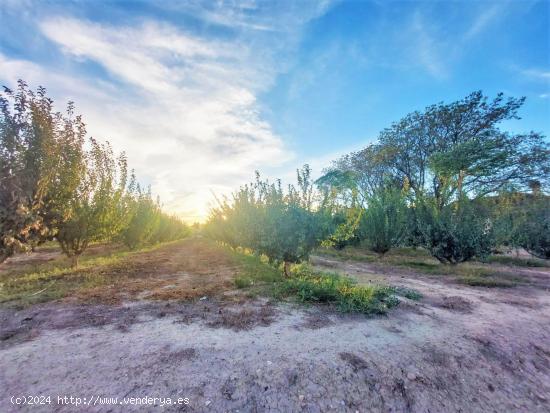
200, 94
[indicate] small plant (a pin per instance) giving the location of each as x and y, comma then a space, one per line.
243, 282
407, 293
340, 291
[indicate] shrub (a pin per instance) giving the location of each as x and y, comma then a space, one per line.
453, 233
534, 231
263, 218
145, 218
384, 223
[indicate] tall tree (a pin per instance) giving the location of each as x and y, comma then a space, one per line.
95, 213
457, 148
41, 164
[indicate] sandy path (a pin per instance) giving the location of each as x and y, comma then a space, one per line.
487, 350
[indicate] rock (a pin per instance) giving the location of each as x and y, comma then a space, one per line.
301, 397
207, 403
203, 298
411, 376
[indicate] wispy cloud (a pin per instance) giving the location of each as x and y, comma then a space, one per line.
253, 15
432, 46
537, 74
183, 106
483, 20
426, 48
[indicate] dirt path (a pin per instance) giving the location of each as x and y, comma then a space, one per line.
459, 349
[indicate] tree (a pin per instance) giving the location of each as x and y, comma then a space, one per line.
169, 228
454, 149
263, 218
95, 213
359, 175
443, 156
144, 221
384, 223
344, 225
41, 160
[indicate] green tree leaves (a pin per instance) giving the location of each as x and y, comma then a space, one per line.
263, 218
51, 187
384, 223
444, 158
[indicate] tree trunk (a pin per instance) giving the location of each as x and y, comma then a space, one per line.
74, 261
286, 268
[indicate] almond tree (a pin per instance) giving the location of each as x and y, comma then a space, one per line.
95, 212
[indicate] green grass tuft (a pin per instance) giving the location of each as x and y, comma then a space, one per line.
343, 292
407, 293
243, 282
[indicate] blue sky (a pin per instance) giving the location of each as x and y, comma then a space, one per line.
201, 93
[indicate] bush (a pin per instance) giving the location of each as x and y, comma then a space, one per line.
145, 219
263, 218
534, 231
454, 233
384, 223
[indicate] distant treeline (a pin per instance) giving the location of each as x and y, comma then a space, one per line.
53, 186
447, 179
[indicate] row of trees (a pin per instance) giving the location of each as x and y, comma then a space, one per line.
55, 184
262, 217
447, 179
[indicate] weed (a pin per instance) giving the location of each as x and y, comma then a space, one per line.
407, 293
254, 270
243, 282
343, 292
244, 319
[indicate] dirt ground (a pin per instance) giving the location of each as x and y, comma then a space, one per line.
458, 349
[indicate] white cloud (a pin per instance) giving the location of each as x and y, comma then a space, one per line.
426, 48
182, 106
429, 44
483, 20
538, 74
